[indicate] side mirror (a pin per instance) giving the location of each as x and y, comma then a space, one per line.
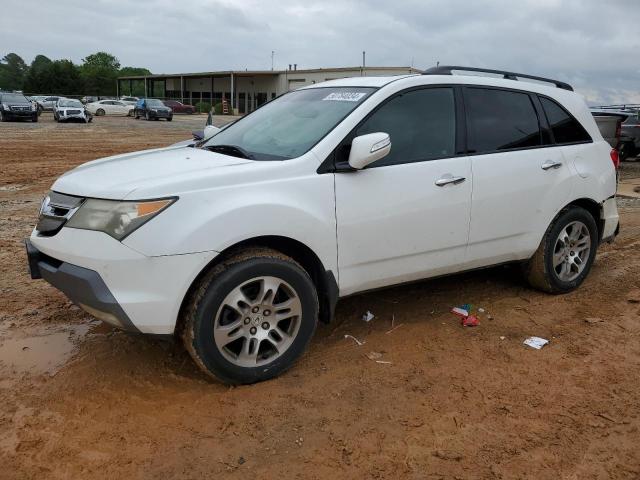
210, 131
366, 149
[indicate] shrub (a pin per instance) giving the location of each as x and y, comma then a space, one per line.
203, 107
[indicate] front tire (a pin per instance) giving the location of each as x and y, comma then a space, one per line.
565, 255
99, 112
251, 317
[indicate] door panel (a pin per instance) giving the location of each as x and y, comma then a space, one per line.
519, 183
394, 223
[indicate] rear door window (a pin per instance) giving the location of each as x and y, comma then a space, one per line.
500, 120
564, 127
421, 124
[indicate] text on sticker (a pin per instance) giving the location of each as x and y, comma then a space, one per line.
345, 96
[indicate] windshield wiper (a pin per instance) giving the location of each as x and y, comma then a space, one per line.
231, 150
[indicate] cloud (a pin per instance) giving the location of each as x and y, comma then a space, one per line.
590, 43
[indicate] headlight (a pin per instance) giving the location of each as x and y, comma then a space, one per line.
116, 218
5, 106
154, 110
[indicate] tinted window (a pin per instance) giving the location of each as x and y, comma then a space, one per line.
421, 124
500, 120
565, 128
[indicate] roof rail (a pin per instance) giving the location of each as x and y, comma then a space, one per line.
448, 70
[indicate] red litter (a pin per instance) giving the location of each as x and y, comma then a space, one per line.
466, 319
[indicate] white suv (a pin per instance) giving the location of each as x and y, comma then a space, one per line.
242, 243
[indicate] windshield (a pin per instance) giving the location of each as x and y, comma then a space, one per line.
152, 102
290, 125
69, 102
14, 97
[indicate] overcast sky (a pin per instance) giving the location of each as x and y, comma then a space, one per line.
593, 44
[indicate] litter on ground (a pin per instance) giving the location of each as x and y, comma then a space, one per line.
536, 342
464, 312
358, 342
367, 317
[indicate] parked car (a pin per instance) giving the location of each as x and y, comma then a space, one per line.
152, 109
129, 100
69, 109
630, 136
89, 99
243, 244
14, 106
609, 123
179, 107
46, 103
109, 107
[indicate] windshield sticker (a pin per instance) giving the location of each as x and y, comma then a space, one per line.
345, 96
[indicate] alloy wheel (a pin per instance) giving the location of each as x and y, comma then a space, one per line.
257, 321
571, 251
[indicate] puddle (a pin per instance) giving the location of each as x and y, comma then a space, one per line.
41, 352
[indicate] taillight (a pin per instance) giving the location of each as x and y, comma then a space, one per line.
615, 158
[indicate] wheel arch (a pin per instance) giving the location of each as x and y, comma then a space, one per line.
594, 208
323, 279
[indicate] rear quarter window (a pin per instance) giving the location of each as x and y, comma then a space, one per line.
564, 127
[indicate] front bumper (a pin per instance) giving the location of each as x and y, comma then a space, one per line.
94, 270
20, 114
84, 287
153, 114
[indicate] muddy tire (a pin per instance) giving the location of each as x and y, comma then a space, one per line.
565, 255
251, 317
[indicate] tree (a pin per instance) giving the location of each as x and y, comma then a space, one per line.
12, 72
39, 75
133, 71
100, 71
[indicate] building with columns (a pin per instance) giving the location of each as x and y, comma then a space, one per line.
244, 90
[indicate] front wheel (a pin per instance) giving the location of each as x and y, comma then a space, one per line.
100, 112
566, 252
146, 116
169, 119
251, 317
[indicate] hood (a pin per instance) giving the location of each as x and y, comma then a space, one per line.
120, 176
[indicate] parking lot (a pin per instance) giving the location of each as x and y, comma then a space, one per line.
80, 399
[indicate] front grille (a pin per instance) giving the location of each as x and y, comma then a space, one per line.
73, 112
18, 108
56, 209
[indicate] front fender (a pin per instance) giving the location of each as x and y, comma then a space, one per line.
300, 208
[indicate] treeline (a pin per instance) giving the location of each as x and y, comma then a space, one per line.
96, 75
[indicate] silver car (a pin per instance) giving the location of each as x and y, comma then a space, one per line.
67, 109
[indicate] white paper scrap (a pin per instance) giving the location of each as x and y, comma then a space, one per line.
536, 342
367, 317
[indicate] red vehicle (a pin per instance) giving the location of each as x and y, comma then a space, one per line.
179, 107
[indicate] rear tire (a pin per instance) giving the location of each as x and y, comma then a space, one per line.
235, 322
566, 253
100, 112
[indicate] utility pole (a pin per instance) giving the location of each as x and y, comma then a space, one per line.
272, 54
364, 54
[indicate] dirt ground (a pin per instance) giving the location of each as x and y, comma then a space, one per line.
81, 400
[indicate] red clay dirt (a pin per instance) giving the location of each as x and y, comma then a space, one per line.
81, 400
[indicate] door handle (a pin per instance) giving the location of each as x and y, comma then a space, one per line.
551, 164
449, 179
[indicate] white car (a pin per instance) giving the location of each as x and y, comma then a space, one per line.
69, 109
129, 100
110, 107
242, 244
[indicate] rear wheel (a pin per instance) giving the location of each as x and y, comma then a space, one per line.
100, 112
565, 255
130, 114
251, 317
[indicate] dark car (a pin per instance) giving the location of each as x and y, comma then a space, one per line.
152, 109
630, 136
179, 107
15, 105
